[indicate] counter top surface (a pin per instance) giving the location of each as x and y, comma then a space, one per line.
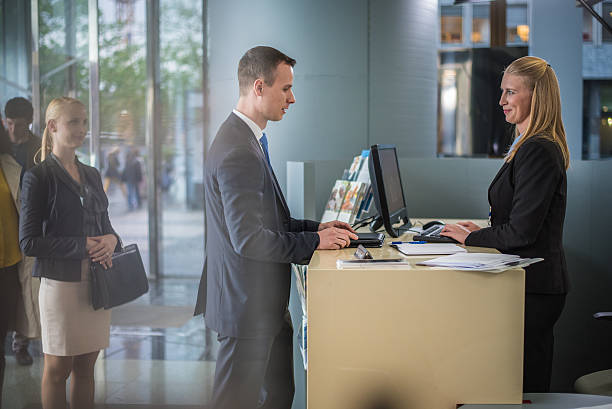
326, 259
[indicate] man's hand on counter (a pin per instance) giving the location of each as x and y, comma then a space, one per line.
335, 235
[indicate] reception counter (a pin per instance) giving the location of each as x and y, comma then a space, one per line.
411, 336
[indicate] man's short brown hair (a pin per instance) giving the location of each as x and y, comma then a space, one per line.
260, 62
19, 107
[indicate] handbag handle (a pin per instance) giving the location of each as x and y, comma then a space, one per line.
120, 242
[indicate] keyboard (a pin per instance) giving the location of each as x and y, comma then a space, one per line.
432, 235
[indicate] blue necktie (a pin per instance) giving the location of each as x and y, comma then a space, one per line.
264, 145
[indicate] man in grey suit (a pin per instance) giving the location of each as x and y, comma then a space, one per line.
251, 241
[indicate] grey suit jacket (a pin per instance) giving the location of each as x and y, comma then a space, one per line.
251, 239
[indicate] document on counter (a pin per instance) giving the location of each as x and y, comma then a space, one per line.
491, 262
422, 249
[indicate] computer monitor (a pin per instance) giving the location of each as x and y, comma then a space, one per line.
387, 190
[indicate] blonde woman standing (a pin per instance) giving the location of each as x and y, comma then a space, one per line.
64, 224
528, 198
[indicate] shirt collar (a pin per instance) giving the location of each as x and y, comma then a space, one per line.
257, 131
518, 138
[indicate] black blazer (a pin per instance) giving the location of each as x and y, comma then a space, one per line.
51, 223
528, 198
251, 239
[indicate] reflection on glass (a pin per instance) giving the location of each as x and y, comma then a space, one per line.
470, 121
597, 119
607, 16
517, 28
481, 31
15, 51
447, 111
123, 79
181, 34
63, 55
451, 21
587, 26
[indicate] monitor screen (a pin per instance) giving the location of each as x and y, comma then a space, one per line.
387, 190
391, 180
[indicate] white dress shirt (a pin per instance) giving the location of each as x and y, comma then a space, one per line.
257, 131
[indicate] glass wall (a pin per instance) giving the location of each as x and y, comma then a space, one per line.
517, 24
481, 27
597, 119
451, 24
606, 36
15, 50
470, 122
64, 55
123, 81
469, 24
182, 151
587, 26
114, 71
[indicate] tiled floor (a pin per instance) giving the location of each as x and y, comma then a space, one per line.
142, 367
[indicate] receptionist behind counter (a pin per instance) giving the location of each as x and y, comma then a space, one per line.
528, 198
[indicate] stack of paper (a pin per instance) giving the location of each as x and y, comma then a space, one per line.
412, 249
490, 262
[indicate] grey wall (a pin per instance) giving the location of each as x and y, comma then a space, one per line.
562, 48
329, 41
403, 77
367, 73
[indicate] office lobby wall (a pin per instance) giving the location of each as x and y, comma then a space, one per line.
403, 76
329, 41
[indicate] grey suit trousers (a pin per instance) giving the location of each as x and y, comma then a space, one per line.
255, 373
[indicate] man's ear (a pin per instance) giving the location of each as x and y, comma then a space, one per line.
258, 87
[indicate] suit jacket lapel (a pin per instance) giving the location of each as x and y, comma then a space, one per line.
63, 175
257, 147
12, 174
279, 192
499, 173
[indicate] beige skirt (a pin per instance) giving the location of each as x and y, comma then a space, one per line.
70, 326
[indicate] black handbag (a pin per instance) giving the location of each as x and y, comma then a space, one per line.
125, 281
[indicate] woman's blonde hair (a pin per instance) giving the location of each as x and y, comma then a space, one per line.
54, 110
546, 121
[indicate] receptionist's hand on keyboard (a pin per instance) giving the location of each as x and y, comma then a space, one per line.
334, 238
456, 232
471, 226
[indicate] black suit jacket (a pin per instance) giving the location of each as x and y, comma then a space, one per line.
51, 222
528, 198
251, 239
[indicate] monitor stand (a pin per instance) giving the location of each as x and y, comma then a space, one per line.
378, 222
404, 227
